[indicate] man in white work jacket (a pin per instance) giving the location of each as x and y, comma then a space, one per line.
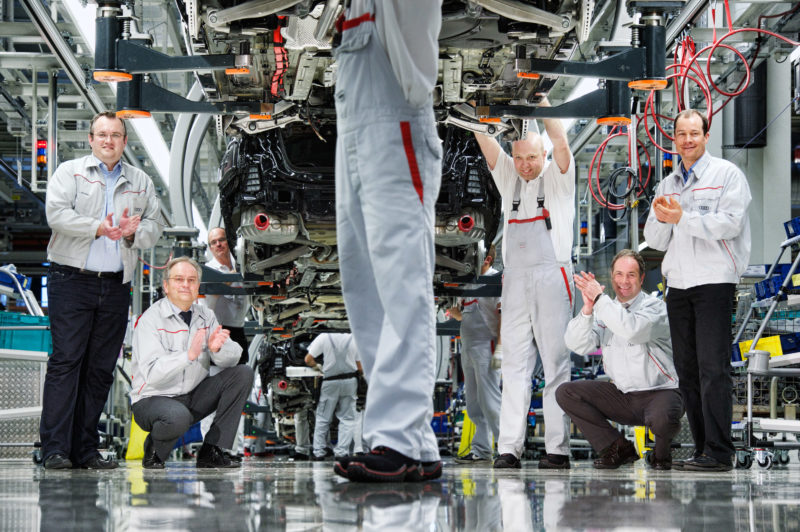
480, 333
539, 210
388, 172
699, 217
633, 332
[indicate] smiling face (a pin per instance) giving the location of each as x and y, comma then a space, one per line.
690, 140
626, 279
528, 157
107, 139
182, 285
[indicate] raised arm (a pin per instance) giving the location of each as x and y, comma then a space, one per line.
558, 136
490, 149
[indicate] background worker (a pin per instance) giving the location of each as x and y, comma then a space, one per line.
633, 332
173, 346
230, 311
539, 210
101, 211
388, 167
699, 217
336, 356
480, 334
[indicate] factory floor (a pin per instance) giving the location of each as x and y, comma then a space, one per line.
277, 494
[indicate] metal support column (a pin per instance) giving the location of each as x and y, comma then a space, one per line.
34, 119
52, 124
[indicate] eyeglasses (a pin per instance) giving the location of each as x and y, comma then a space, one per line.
181, 280
217, 241
104, 136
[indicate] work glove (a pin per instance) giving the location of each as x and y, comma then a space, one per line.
497, 357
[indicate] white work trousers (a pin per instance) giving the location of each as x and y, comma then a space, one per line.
537, 306
335, 397
482, 393
536, 311
388, 173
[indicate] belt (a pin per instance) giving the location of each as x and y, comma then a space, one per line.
102, 275
341, 376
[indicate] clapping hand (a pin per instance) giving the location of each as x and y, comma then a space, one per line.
108, 230
197, 344
218, 338
128, 224
667, 210
590, 290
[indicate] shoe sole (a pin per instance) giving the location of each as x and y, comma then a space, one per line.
218, 466
359, 472
160, 466
507, 466
423, 475
712, 469
556, 466
341, 471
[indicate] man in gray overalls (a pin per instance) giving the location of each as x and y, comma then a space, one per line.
539, 210
388, 172
480, 334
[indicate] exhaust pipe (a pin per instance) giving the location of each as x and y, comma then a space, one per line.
466, 223
261, 221
283, 385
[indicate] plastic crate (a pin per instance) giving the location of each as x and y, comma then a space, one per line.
792, 227
22, 339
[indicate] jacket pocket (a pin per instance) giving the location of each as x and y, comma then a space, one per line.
706, 200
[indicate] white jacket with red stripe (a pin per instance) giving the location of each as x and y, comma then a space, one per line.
636, 343
160, 363
710, 244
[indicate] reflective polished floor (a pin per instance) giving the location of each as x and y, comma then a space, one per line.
276, 494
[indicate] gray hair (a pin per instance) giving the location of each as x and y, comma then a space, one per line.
177, 260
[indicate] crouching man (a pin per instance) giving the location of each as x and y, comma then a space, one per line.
633, 332
173, 346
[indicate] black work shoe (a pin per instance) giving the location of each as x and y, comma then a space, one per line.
343, 462
471, 458
211, 456
662, 465
315, 458
57, 461
300, 457
507, 461
98, 462
426, 471
233, 457
679, 465
150, 460
618, 453
707, 463
382, 464
554, 461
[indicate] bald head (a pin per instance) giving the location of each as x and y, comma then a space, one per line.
528, 155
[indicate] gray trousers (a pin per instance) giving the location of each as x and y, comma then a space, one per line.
168, 418
336, 397
482, 394
592, 404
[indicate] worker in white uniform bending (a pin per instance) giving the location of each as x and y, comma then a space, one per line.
388, 172
633, 332
480, 333
538, 206
336, 356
